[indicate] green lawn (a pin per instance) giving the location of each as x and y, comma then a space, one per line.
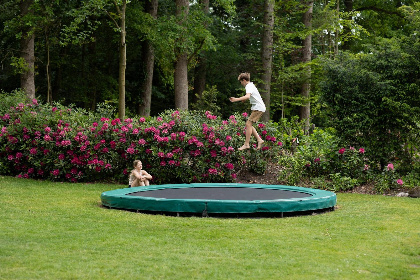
51, 230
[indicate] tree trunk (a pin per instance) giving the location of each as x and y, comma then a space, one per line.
348, 7
305, 110
267, 55
49, 88
123, 64
337, 33
201, 69
149, 59
181, 64
27, 46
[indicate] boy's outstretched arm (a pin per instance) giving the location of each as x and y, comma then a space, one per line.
242, 98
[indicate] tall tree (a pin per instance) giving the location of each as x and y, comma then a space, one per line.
149, 60
267, 54
305, 109
200, 70
123, 59
27, 48
181, 63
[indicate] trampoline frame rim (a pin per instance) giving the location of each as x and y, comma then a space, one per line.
318, 197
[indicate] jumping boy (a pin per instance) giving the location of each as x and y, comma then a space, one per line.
257, 108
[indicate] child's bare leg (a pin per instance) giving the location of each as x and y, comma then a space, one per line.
259, 140
248, 132
146, 182
136, 183
141, 184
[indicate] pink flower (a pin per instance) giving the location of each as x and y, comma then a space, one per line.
142, 142
19, 155
33, 151
108, 166
130, 151
261, 125
265, 148
55, 172
317, 160
341, 151
244, 114
361, 150
229, 166
162, 163
61, 156
142, 120
233, 176
54, 109
279, 143
228, 138
115, 122
212, 171
159, 119
169, 155
390, 166
400, 182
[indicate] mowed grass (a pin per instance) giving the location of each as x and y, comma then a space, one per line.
51, 230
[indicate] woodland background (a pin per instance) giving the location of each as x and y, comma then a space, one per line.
351, 67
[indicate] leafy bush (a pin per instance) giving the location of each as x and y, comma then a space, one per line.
388, 179
320, 156
62, 143
373, 100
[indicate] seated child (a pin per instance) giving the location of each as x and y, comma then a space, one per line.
138, 177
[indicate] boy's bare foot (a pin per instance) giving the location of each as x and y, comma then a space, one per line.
243, 148
260, 144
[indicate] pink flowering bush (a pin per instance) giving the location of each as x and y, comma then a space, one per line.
388, 179
65, 144
319, 158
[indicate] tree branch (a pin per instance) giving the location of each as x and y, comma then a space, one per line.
196, 51
380, 10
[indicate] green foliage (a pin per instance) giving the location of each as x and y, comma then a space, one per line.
319, 157
373, 100
207, 101
388, 179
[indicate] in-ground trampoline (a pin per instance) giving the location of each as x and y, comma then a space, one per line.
222, 199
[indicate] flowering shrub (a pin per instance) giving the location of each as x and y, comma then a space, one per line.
388, 179
319, 156
57, 143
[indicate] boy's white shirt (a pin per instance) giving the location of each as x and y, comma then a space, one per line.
255, 99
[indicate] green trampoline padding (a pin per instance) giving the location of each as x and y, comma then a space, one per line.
219, 198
